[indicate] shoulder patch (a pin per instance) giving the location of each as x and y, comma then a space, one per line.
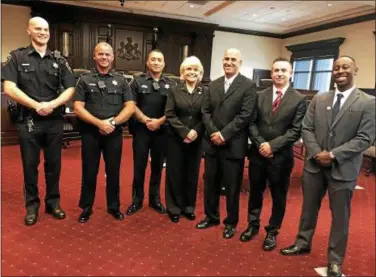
9, 58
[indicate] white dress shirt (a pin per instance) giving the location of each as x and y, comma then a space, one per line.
345, 94
275, 95
229, 81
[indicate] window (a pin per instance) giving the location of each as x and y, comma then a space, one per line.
313, 62
313, 73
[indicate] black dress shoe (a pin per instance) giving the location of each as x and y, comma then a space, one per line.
190, 216
158, 207
334, 270
116, 214
206, 223
270, 242
133, 208
229, 232
294, 250
85, 215
56, 212
249, 233
174, 217
31, 218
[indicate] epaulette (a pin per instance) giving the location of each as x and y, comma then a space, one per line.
21, 48
139, 75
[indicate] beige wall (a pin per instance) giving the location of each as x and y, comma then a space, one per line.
359, 44
14, 21
257, 52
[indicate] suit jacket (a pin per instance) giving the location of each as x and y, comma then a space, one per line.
230, 114
183, 111
351, 133
281, 129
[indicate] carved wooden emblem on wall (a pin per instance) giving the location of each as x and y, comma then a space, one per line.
128, 50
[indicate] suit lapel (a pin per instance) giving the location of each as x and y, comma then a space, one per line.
197, 95
235, 84
184, 93
267, 103
328, 107
284, 100
354, 95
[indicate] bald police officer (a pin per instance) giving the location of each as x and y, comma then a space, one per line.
149, 131
33, 77
102, 102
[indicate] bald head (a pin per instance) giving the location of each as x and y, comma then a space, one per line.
39, 32
103, 45
232, 61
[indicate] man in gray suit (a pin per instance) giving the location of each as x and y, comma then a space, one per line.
338, 127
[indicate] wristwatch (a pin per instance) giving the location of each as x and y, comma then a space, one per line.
331, 155
113, 123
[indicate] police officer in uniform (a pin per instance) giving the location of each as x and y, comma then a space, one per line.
148, 128
33, 77
102, 102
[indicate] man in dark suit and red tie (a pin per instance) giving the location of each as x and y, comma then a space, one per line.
275, 126
227, 110
338, 127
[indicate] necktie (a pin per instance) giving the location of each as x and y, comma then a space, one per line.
277, 101
337, 106
227, 85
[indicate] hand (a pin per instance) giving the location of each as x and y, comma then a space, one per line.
145, 119
44, 108
265, 150
192, 135
216, 139
105, 127
323, 159
187, 140
153, 124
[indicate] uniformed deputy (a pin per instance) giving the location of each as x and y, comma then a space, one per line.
32, 77
102, 102
148, 129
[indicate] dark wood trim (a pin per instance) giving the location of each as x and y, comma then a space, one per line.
320, 44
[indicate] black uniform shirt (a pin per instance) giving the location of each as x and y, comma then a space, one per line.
151, 100
36, 76
107, 102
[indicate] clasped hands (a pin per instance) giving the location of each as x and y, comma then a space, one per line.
105, 126
192, 135
323, 158
217, 139
152, 124
45, 108
265, 150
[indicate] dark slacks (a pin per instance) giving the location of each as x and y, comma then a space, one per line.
46, 135
278, 178
143, 142
93, 145
231, 171
183, 165
340, 194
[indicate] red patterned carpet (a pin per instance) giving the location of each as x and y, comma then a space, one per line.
149, 244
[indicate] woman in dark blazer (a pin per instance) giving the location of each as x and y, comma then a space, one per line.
183, 113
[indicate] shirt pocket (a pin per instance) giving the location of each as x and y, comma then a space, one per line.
114, 96
26, 71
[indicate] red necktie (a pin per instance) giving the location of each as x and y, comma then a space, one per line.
277, 101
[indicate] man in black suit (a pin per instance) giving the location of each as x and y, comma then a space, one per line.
227, 110
275, 126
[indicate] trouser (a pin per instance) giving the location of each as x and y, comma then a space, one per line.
231, 171
183, 166
93, 144
143, 142
278, 179
340, 194
46, 134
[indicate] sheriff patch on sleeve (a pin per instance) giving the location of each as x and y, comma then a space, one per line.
9, 58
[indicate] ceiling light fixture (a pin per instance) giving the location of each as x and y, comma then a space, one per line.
122, 2
329, 5
191, 6
254, 15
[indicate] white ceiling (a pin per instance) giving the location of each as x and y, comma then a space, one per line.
277, 17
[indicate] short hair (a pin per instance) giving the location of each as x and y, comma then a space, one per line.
154, 51
104, 44
345, 56
281, 59
192, 60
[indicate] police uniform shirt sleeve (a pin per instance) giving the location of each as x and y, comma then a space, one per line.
134, 89
9, 69
127, 93
67, 77
79, 93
